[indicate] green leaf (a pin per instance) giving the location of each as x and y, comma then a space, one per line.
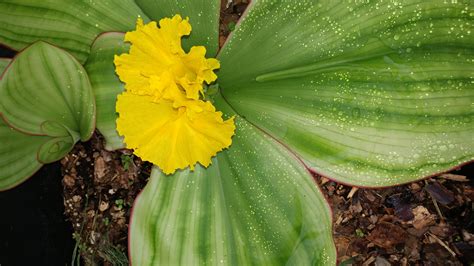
203, 16
17, 156
47, 102
106, 84
46, 91
3, 64
55, 149
365, 93
72, 25
255, 205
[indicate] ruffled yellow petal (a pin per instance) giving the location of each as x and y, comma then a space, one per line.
161, 114
199, 70
175, 26
165, 88
156, 54
172, 138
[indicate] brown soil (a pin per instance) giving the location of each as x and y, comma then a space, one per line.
99, 190
428, 222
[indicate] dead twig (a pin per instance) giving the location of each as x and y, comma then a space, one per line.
435, 203
438, 210
453, 177
441, 242
352, 192
368, 261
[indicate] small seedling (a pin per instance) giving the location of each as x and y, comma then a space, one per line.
119, 203
231, 26
126, 161
359, 232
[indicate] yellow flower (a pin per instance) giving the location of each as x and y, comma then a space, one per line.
161, 113
157, 64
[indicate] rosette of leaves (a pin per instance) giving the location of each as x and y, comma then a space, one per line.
367, 93
46, 106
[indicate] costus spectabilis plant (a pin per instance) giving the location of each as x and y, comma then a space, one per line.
366, 93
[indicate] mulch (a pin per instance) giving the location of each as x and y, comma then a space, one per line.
428, 222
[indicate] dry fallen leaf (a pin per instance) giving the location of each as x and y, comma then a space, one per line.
440, 193
387, 235
422, 217
99, 167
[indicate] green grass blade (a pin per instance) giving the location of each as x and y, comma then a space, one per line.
366, 93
